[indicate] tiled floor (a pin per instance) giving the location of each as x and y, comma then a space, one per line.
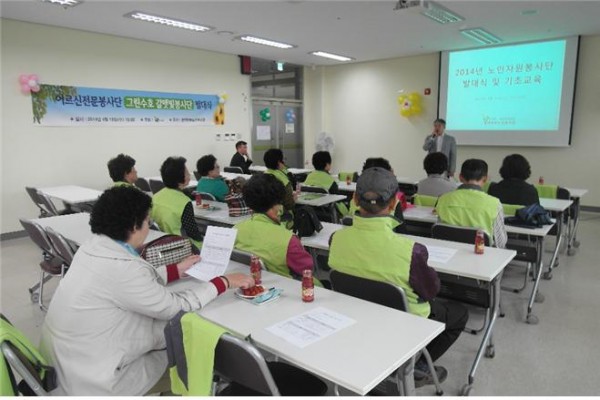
559, 356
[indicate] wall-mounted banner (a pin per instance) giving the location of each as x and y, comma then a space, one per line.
57, 105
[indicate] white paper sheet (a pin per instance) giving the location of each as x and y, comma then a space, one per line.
440, 254
263, 132
311, 326
216, 252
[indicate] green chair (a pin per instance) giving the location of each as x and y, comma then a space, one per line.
547, 191
486, 186
424, 200
510, 210
342, 176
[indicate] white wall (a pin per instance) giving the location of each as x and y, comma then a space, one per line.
48, 156
360, 111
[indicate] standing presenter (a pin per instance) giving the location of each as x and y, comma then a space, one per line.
441, 142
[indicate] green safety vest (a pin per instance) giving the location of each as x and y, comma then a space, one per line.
469, 208
123, 183
279, 174
167, 208
323, 180
319, 179
261, 236
370, 249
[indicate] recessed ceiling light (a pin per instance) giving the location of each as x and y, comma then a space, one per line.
331, 56
65, 3
175, 23
266, 42
480, 35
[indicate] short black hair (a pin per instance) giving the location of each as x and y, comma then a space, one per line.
119, 166
320, 159
515, 166
120, 210
441, 121
474, 169
240, 143
272, 158
262, 192
435, 163
172, 172
206, 164
377, 162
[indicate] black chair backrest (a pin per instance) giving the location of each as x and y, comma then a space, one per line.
457, 233
313, 189
37, 235
237, 170
156, 185
197, 175
142, 184
243, 257
61, 246
381, 293
240, 362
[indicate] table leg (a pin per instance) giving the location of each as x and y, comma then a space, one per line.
548, 274
487, 345
573, 231
531, 318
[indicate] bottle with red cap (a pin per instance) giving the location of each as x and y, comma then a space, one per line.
255, 269
479, 242
308, 286
198, 198
541, 180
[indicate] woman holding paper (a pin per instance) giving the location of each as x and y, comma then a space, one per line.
104, 328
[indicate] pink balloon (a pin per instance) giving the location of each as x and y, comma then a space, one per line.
35, 89
33, 77
25, 89
23, 78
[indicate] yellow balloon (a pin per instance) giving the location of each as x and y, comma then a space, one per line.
416, 109
404, 112
401, 99
414, 97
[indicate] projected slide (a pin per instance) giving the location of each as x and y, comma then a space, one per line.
511, 95
506, 88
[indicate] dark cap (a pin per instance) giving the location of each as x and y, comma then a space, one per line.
376, 186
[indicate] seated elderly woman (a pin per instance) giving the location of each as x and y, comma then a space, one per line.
513, 188
172, 209
211, 180
104, 328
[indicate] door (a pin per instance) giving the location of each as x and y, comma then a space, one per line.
278, 124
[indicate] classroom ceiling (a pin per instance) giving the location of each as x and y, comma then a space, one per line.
363, 30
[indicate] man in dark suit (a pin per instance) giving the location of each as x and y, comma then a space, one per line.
441, 142
241, 158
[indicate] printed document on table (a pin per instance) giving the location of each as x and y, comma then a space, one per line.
216, 252
311, 326
440, 254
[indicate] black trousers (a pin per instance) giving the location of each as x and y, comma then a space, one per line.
455, 316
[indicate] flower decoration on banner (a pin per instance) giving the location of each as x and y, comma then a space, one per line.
265, 114
290, 116
410, 104
223, 98
29, 83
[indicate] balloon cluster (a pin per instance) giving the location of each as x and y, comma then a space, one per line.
410, 104
290, 116
265, 114
29, 83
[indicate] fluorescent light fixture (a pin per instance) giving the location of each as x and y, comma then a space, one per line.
175, 23
266, 42
480, 35
65, 3
331, 56
439, 13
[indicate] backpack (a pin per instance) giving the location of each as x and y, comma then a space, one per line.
533, 215
306, 222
